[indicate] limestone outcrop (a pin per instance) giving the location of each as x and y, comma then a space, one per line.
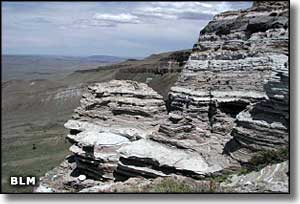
272, 178
230, 102
111, 115
152, 159
233, 91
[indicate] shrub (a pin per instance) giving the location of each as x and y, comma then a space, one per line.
171, 185
264, 158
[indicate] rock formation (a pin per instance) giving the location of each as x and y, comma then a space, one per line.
111, 115
264, 125
252, 182
230, 101
236, 78
272, 178
152, 159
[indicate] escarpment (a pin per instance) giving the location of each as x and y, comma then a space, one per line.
233, 91
229, 102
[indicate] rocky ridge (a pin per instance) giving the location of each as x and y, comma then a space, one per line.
230, 101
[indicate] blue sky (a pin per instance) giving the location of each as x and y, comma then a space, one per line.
110, 28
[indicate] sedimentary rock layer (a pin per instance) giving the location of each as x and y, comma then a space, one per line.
265, 125
153, 159
111, 115
236, 74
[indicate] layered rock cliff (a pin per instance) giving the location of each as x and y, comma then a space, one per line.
235, 85
230, 102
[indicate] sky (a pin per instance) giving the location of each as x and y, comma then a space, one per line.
128, 29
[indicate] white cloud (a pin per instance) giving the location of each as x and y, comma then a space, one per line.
204, 4
153, 12
106, 20
117, 18
179, 10
84, 23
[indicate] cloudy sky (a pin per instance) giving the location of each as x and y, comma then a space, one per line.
111, 28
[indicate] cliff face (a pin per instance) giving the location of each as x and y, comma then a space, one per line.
234, 85
230, 101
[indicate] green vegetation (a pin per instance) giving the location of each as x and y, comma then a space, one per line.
264, 158
171, 185
33, 151
220, 179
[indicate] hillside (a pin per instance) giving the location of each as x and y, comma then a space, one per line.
160, 71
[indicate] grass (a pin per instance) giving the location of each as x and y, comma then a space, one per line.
171, 186
21, 159
220, 179
264, 158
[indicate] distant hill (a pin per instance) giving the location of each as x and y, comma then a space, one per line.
105, 58
30, 67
